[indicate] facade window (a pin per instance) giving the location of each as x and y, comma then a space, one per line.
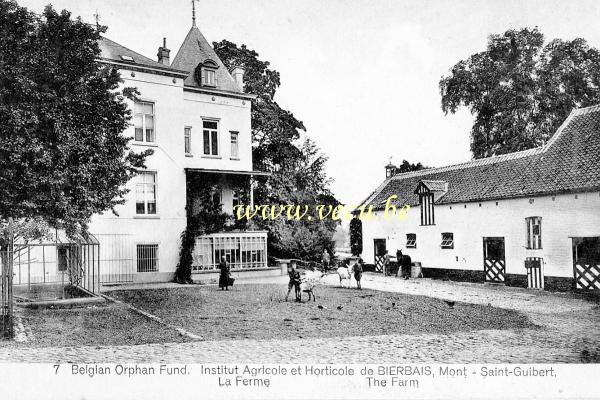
427, 210
447, 240
145, 193
208, 77
143, 116
187, 140
210, 131
147, 258
411, 240
534, 232
235, 149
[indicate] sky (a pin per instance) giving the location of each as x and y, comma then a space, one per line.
361, 74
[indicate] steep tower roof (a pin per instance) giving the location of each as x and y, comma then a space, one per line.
196, 50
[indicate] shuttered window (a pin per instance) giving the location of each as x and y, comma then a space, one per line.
411, 240
534, 232
447, 240
187, 140
427, 211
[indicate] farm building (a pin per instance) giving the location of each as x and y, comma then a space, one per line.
530, 218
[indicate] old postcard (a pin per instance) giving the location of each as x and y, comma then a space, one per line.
301, 199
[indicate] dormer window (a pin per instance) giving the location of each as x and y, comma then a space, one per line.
208, 77
206, 73
429, 193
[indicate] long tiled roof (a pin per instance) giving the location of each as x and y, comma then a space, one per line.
113, 51
569, 162
194, 50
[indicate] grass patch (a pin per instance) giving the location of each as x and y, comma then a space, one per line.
258, 311
107, 324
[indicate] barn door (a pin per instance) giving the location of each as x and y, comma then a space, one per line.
535, 272
494, 262
379, 246
586, 262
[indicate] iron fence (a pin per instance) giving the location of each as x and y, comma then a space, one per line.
116, 258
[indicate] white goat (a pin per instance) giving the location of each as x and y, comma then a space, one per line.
310, 281
346, 273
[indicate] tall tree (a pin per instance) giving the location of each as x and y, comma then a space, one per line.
274, 129
520, 90
63, 156
408, 167
296, 164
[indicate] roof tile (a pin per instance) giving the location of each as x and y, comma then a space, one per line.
570, 161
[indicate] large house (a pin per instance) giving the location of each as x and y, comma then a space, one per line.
193, 113
530, 218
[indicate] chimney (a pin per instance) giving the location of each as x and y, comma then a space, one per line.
163, 53
238, 75
390, 170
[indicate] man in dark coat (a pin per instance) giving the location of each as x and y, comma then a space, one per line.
224, 275
295, 280
358, 270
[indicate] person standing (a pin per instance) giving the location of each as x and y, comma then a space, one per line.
294, 282
326, 260
224, 275
358, 270
386, 263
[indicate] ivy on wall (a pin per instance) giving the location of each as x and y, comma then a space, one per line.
205, 216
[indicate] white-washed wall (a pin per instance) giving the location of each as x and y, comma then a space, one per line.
563, 216
175, 109
233, 115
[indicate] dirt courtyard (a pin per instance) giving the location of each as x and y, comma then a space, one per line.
389, 321
259, 311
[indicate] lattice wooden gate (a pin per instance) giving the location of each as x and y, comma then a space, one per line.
379, 248
535, 272
586, 262
494, 262
587, 275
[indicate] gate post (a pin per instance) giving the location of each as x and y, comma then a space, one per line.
11, 249
7, 286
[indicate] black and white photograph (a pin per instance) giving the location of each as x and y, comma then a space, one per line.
299, 199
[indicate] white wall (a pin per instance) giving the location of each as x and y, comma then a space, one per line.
233, 115
175, 109
563, 216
